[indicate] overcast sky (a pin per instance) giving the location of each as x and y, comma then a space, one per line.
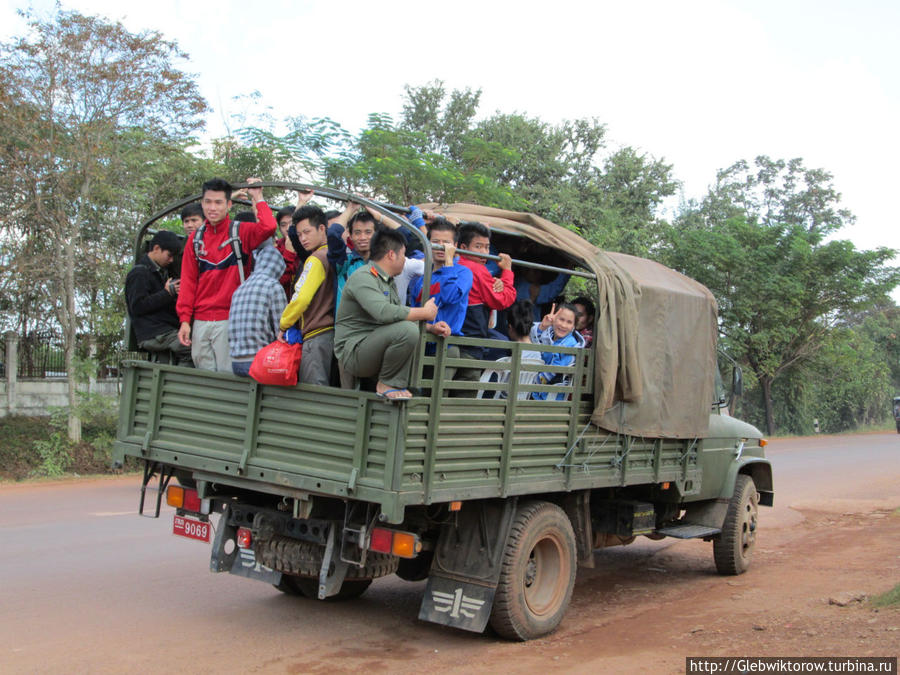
698, 83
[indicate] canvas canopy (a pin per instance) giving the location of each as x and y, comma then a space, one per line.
655, 332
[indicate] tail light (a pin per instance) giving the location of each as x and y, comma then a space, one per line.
186, 499
394, 542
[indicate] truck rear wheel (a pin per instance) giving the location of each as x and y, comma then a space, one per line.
733, 548
537, 573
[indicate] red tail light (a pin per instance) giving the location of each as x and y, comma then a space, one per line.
381, 540
191, 501
244, 538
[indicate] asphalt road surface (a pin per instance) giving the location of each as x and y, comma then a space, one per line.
88, 586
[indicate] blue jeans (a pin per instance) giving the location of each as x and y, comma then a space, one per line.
241, 368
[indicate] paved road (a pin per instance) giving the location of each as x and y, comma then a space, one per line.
88, 586
849, 471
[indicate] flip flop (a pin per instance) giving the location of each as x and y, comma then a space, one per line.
392, 399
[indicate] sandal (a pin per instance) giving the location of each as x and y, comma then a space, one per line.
391, 399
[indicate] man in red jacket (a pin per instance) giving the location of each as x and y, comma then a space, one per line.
209, 279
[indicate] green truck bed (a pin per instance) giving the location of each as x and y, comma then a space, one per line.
351, 444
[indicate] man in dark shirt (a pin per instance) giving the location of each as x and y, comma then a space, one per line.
150, 296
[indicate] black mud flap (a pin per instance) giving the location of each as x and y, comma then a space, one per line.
466, 566
460, 604
241, 561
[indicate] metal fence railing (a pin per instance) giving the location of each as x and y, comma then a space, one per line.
41, 354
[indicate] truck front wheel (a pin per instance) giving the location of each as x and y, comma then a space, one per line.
733, 548
537, 573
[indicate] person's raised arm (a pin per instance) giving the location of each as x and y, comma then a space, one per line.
390, 224
502, 292
548, 318
551, 291
254, 234
349, 210
432, 217
303, 197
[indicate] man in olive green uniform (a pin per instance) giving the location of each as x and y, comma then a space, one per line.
375, 334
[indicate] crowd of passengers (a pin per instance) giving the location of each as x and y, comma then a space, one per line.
343, 285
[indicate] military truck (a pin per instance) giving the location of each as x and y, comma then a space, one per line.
495, 500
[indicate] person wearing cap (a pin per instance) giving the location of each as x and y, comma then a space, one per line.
150, 295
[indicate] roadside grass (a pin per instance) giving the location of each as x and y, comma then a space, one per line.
37, 447
887, 599
18, 457
874, 428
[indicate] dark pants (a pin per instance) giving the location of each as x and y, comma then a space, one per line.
315, 366
168, 345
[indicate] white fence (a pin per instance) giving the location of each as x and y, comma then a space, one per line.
35, 397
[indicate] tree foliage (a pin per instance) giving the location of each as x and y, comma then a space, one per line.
438, 150
850, 382
96, 127
86, 107
757, 241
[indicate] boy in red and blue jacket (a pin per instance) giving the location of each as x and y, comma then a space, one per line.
209, 281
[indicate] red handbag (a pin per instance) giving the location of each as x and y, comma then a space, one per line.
277, 363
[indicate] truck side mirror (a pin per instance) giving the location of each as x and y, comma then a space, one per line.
737, 382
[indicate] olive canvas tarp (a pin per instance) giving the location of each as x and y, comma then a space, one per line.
655, 332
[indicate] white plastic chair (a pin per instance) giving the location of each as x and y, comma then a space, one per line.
502, 375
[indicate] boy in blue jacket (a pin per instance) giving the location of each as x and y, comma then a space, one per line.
556, 328
450, 283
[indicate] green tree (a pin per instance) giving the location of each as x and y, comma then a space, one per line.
85, 108
437, 151
882, 326
850, 383
780, 286
632, 188
442, 126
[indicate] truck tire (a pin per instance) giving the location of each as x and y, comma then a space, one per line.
288, 585
733, 548
537, 573
309, 587
351, 588
298, 558
415, 569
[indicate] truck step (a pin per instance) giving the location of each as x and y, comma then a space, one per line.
688, 531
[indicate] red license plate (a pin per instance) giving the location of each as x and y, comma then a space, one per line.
190, 528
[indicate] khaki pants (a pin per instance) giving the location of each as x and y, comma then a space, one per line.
209, 345
386, 352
